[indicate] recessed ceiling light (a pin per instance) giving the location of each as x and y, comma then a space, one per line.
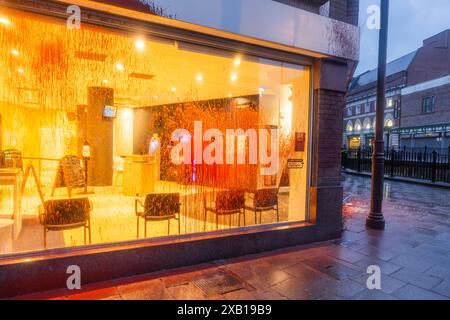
173, 89
15, 52
230, 95
237, 61
140, 44
155, 97
5, 21
105, 81
199, 77
120, 67
21, 70
234, 76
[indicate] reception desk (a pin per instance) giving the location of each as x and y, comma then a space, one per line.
138, 175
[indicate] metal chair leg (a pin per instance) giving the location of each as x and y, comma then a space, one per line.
45, 238
204, 224
145, 228
137, 229
245, 223
90, 238
168, 227
84, 229
278, 214
179, 225
217, 221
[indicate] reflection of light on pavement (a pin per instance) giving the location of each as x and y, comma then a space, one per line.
387, 191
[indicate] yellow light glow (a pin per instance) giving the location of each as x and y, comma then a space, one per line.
105, 81
120, 67
230, 95
199, 77
5, 21
15, 52
21, 70
173, 89
237, 62
140, 44
234, 77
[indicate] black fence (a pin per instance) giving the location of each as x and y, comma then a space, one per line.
416, 164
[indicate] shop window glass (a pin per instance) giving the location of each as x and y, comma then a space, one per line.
182, 138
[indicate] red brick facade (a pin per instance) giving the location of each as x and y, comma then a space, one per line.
342, 10
413, 114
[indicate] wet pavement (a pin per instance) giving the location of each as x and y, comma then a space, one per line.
413, 254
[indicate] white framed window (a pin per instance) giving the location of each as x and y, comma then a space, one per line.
349, 112
389, 103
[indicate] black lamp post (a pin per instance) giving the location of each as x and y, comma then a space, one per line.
86, 157
375, 219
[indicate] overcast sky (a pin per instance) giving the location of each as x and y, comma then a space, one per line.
411, 21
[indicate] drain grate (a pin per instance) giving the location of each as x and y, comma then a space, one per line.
220, 282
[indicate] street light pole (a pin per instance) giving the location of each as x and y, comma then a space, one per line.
376, 219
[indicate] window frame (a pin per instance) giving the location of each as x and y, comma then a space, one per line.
429, 108
127, 25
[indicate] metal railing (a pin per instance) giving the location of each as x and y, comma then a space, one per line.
419, 164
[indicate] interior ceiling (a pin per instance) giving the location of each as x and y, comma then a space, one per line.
54, 67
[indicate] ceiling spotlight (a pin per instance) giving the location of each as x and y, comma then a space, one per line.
21, 70
5, 21
230, 95
155, 97
199, 77
15, 52
105, 81
237, 62
140, 44
234, 76
173, 89
120, 67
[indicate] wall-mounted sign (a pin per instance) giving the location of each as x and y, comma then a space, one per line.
300, 138
295, 164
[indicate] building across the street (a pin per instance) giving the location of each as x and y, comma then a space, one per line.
417, 113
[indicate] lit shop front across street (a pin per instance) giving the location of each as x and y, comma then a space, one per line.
145, 136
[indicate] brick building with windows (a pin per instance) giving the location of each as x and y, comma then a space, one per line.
418, 100
425, 119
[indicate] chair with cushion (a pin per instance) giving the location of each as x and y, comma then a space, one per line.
66, 214
227, 203
11, 158
262, 201
158, 207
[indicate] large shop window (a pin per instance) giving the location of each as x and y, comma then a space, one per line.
108, 137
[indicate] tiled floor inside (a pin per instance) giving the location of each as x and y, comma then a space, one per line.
113, 217
413, 254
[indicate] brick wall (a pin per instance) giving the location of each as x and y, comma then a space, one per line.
343, 10
312, 6
432, 60
326, 187
329, 109
412, 115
